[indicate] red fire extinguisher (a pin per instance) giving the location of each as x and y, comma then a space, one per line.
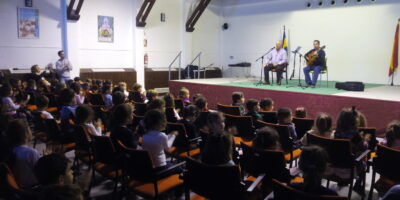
146, 60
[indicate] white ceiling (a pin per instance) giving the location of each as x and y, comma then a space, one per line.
236, 2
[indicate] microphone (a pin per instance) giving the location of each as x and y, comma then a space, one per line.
272, 48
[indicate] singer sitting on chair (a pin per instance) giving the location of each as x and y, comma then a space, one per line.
277, 60
315, 62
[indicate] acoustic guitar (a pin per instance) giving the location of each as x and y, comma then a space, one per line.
313, 55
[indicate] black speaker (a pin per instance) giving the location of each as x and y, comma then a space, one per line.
225, 26
350, 86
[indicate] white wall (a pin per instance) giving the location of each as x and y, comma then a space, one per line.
359, 37
95, 54
23, 53
207, 37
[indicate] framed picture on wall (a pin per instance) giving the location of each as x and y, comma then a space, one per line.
28, 23
105, 28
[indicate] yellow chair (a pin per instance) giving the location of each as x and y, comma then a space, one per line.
325, 71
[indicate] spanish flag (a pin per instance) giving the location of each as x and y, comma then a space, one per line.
394, 62
284, 41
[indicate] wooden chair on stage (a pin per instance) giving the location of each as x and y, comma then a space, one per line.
216, 181
284, 71
230, 110
270, 117
340, 156
285, 192
387, 165
292, 153
302, 125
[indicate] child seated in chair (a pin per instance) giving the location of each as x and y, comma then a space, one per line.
151, 95
238, 100
24, 157
53, 169
121, 118
155, 141
285, 118
322, 126
85, 117
107, 97
67, 114
393, 135
313, 163
79, 97
253, 109
137, 94
184, 95
42, 102
218, 148
267, 139
189, 116
266, 105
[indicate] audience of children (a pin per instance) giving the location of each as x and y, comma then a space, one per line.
54, 170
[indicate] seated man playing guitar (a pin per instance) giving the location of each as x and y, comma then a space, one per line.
315, 62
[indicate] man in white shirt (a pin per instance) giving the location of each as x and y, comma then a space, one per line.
276, 59
63, 67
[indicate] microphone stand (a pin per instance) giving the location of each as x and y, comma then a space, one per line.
300, 85
261, 82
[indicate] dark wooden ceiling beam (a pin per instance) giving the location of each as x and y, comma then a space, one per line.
195, 16
74, 14
144, 12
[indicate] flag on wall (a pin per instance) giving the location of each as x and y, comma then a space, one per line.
394, 61
284, 40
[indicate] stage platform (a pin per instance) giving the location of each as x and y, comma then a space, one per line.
380, 103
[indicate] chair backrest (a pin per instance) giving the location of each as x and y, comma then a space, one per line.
387, 162
285, 192
103, 150
137, 164
372, 132
339, 150
140, 108
227, 109
284, 134
81, 138
272, 163
135, 97
38, 121
213, 181
302, 125
96, 99
9, 188
201, 120
179, 104
53, 131
243, 124
270, 117
170, 114
181, 139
